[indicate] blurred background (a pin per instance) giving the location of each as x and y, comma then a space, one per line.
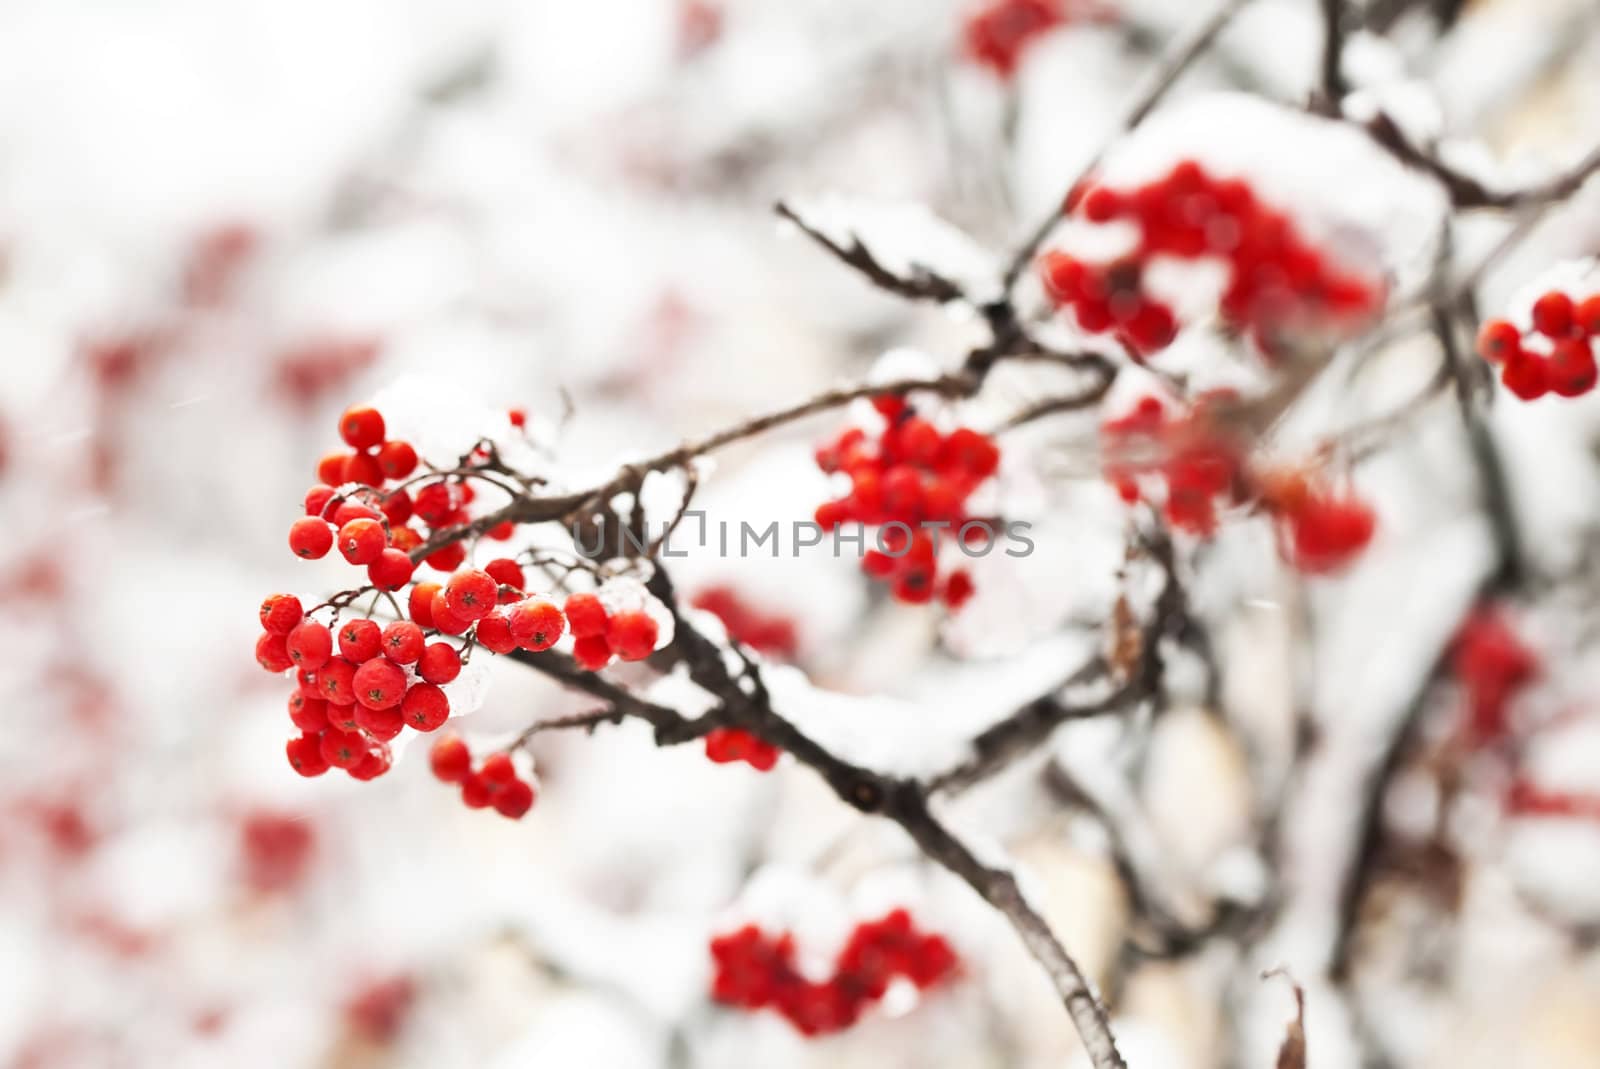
223, 221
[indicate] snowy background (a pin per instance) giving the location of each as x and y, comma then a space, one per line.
222, 221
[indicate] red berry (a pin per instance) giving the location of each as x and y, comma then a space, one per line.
497, 770
445, 618
396, 507
308, 712
280, 612
475, 793
353, 509
317, 498
343, 717
420, 603
310, 644
448, 558
632, 635
405, 539
330, 469
958, 590
310, 538
305, 755
506, 572
363, 468
591, 652
494, 634
1524, 375
361, 427
343, 749
518, 418
471, 594
1587, 317
449, 758
439, 663
360, 640
514, 799
382, 724
1499, 340
271, 654
402, 642
1553, 314
362, 541
379, 683
586, 615
391, 571
436, 501
374, 764
397, 459
1571, 370
536, 623
336, 681
425, 708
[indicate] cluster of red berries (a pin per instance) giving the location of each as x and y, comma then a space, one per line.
1197, 462
610, 623
352, 700
756, 971
1492, 666
350, 510
908, 479
997, 34
1568, 369
1320, 531
772, 634
729, 745
1275, 277
494, 783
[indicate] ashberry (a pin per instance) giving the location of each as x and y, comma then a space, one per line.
450, 759
536, 623
586, 616
439, 663
425, 707
280, 612
310, 644
379, 683
632, 635
360, 640
361, 427
402, 642
361, 541
271, 654
310, 538
471, 594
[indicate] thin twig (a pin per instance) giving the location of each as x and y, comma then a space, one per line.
1180, 59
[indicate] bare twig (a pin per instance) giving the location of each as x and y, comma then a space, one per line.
1467, 192
922, 285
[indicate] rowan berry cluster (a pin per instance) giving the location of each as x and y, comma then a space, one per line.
1562, 364
757, 971
1319, 530
729, 745
494, 783
770, 634
614, 621
1492, 665
1276, 279
360, 682
912, 482
997, 34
